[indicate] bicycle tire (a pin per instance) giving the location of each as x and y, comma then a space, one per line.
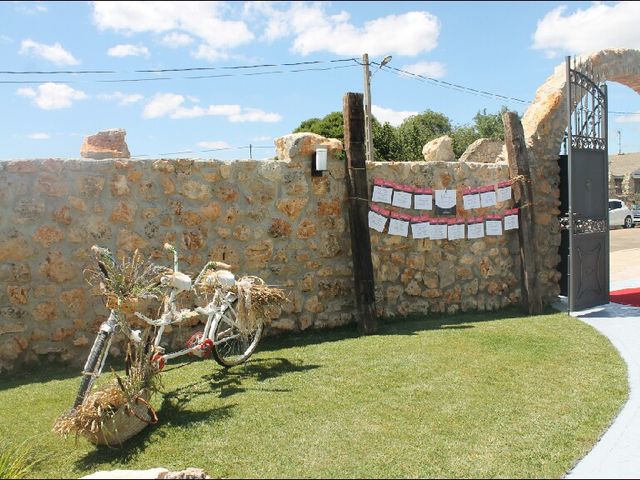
223, 351
93, 360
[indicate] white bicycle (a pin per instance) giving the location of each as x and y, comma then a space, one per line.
222, 336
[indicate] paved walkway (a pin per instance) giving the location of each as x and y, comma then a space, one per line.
617, 453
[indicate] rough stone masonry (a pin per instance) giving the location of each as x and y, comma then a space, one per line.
266, 218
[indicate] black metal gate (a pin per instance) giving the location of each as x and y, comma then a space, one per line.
588, 189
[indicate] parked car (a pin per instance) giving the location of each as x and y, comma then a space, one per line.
619, 214
636, 214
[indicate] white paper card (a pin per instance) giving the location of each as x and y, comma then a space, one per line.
471, 201
488, 199
398, 227
445, 198
438, 232
494, 227
475, 230
423, 201
456, 232
377, 221
504, 193
381, 194
420, 230
401, 199
511, 222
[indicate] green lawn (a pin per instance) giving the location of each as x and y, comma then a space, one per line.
475, 395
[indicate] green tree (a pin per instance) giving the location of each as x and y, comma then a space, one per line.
419, 129
330, 126
489, 125
485, 125
385, 141
385, 144
463, 136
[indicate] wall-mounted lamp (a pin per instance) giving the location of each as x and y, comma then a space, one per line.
319, 161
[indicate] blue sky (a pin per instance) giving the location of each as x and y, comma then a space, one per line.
508, 48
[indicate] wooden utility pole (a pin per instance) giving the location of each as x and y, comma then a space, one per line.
358, 190
368, 135
519, 169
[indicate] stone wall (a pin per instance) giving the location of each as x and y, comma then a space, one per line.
266, 218
440, 275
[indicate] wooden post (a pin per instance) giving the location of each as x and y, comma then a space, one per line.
519, 168
358, 190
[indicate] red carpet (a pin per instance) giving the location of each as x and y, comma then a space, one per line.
628, 296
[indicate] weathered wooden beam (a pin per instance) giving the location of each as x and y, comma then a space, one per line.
358, 190
519, 170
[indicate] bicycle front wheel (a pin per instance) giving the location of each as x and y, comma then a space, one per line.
93, 366
230, 346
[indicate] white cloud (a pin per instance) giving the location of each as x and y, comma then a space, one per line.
394, 117
427, 69
53, 53
630, 118
176, 40
202, 20
123, 99
315, 30
30, 8
39, 136
207, 52
52, 96
595, 28
214, 144
262, 138
162, 104
127, 50
171, 104
255, 115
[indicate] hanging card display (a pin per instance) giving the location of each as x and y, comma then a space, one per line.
511, 219
455, 229
420, 227
423, 199
446, 202
470, 199
377, 221
382, 192
504, 191
488, 196
402, 195
399, 224
494, 225
439, 229
475, 228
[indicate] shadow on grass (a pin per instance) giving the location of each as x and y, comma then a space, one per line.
129, 450
230, 381
174, 411
406, 325
29, 374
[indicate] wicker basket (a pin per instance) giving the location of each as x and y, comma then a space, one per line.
125, 422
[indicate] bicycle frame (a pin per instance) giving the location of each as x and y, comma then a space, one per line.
222, 301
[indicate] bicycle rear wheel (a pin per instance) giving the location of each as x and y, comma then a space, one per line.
230, 346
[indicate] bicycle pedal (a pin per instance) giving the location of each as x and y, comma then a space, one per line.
203, 349
159, 359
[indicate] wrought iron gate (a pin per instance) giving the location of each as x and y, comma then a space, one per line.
588, 188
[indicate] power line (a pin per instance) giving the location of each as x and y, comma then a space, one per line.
449, 85
243, 147
193, 77
163, 70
